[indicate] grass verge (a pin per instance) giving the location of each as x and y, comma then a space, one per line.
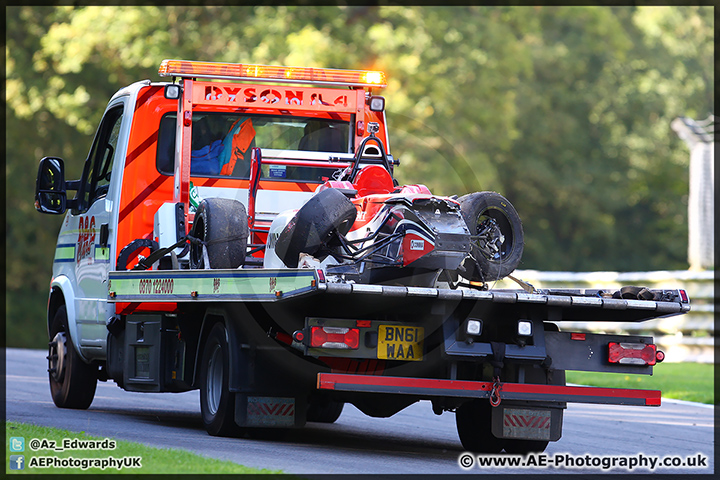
152, 460
683, 381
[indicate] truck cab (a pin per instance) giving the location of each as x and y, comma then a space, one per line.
141, 154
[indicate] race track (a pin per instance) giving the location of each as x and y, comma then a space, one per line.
413, 441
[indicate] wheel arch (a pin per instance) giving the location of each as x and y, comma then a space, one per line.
235, 346
62, 293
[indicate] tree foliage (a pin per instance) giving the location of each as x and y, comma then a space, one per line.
564, 110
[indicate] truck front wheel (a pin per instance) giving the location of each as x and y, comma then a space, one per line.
217, 403
72, 381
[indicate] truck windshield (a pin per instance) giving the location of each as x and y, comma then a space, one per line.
221, 143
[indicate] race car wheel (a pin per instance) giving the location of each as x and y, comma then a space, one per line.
220, 227
324, 411
72, 381
497, 244
314, 225
474, 426
217, 403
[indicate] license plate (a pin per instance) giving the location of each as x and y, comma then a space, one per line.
400, 343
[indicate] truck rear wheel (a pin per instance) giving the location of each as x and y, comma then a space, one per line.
217, 403
72, 381
222, 225
324, 411
498, 245
474, 426
313, 225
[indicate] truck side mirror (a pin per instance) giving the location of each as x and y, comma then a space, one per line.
50, 195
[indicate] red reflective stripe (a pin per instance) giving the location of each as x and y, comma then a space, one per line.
145, 97
207, 182
126, 308
141, 197
140, 149
329, 380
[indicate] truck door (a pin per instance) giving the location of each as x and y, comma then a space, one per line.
97, 194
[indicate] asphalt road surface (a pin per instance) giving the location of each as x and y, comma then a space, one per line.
412, 441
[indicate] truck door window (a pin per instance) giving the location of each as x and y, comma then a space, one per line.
221, 143
98, 167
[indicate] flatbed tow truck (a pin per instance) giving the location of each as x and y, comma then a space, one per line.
283, 272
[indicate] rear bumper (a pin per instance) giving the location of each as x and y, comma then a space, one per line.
429, 387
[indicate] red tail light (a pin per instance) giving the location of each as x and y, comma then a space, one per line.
335, 337
684, 296
632, 353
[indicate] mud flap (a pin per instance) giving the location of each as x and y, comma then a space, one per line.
527, 423
269, 412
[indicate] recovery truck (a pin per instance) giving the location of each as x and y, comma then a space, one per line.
238, 230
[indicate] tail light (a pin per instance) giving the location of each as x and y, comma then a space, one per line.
634, 353
335, 337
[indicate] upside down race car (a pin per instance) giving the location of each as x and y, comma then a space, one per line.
363, 227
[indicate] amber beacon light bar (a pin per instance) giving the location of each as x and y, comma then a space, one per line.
268, 73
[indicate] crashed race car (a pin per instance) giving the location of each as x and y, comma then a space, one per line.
363, 227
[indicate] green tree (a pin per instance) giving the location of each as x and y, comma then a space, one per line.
564, 110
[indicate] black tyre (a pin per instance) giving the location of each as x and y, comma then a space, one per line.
217, 403
222, 224
313, 225
72, 381
324, 411
523, 447
474, 426
498, 245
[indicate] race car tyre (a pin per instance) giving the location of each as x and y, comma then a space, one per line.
72, 381
498, 245
324, 412
474, 426
314, 225
217, 403
221, 226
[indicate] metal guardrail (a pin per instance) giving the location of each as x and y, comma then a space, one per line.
683, 338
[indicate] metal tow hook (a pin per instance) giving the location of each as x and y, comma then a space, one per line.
495, 392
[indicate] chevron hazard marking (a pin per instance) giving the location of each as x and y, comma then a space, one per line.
271, 411
526, 423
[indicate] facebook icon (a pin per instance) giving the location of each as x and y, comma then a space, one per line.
17, 462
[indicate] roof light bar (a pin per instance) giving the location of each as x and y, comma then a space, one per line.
268, 73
